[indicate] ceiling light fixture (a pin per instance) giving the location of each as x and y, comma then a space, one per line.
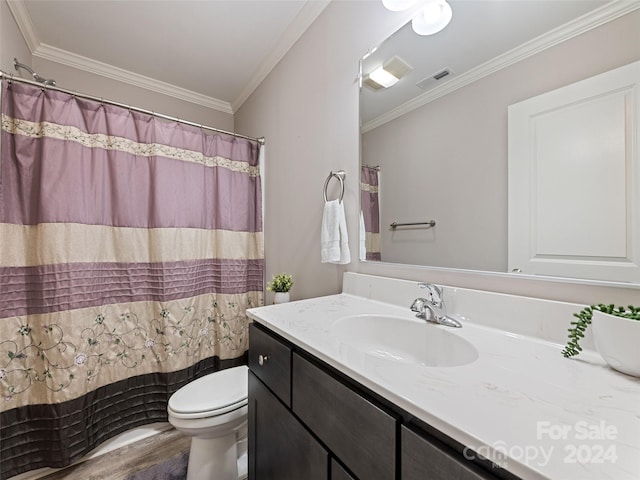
388, 74
398, 5
384, 78
432, 17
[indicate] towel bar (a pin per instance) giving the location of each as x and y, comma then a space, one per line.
431, 223
340, 174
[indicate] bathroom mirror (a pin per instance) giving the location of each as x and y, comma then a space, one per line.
438, 139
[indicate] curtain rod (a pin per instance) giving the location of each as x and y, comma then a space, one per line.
12, 78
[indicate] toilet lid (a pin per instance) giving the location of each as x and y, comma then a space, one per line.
215, 391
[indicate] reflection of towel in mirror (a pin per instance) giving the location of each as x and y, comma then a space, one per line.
334, 241
362, 239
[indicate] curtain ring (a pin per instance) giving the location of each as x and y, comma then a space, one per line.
340, 176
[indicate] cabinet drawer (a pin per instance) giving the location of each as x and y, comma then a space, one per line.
359, 433
423, 459
270, 361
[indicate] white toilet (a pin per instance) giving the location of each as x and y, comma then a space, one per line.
212, 410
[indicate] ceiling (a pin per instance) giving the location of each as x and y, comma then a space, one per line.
216, 52
213, 52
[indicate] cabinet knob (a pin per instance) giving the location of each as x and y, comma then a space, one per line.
262, 359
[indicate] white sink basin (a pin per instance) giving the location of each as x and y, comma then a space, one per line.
400, 340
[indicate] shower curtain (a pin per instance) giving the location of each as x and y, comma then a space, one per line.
130, 248
369, 201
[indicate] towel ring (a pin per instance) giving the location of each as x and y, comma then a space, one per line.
340, 174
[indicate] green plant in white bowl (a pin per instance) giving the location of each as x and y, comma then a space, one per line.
616, 334
281, 282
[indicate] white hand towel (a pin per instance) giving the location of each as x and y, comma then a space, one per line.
334, 240
363, 238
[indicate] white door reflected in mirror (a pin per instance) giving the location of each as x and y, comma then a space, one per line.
573, 180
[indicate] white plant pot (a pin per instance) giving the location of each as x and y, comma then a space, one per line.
617, 340
281, 297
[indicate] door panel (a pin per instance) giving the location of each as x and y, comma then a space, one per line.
574, 186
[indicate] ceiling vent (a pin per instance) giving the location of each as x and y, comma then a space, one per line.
428, 82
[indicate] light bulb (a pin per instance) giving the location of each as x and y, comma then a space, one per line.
432, 18
398, 5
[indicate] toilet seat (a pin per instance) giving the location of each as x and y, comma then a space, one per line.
211, 395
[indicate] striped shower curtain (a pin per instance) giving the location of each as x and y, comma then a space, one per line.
130, 248
369, 201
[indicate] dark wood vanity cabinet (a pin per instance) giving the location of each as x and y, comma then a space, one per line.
281, 448
360, 434
270, 361
339, 473
307, 422
423, 459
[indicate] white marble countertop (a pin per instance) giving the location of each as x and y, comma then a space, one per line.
521, 404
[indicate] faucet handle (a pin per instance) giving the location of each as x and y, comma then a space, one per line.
418, 305
436, 296
423, 309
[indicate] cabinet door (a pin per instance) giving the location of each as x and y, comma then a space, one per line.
359, 433
279, 446
339, 473
422, 459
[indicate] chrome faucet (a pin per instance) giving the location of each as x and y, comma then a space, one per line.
432, 309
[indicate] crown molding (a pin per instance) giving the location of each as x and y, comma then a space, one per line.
47, 52
307, 15
21, 15
589, 21
54, 54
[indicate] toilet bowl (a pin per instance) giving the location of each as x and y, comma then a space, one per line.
212, 410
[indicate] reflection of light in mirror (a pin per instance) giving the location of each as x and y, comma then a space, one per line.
398, 5
370, 52
432, 18
382, 77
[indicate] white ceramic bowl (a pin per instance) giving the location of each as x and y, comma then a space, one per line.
618, 341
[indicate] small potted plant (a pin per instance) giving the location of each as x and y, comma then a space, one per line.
616, 333
280, 284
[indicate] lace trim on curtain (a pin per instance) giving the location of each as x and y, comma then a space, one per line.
110, 142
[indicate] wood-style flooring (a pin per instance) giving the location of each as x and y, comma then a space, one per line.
160, 457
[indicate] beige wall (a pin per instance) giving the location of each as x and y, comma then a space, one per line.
99, 86
451, 162
308, 110
12, 43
